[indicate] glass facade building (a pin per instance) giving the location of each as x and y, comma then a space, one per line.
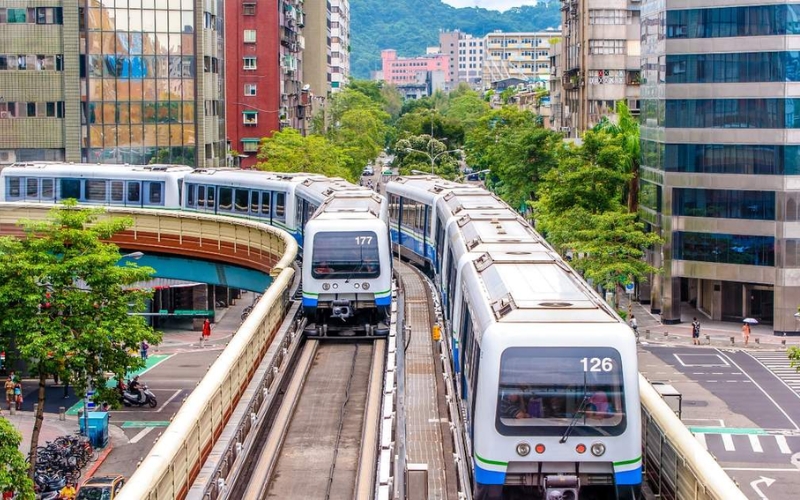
139, 81
721, 158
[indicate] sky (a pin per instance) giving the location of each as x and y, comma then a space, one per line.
500, 5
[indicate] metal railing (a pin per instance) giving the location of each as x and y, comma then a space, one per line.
675, 465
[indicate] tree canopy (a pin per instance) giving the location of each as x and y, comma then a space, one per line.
13, 473
288, 151
66, 302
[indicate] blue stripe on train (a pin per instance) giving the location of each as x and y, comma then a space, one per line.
483, 476
310, 301
383, 301
629, 476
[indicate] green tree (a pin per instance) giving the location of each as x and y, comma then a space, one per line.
794, 355
466, 107
66, 302
13, 473
627, 129
288, 151
418, 152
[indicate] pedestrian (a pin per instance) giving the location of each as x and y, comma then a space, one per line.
10, 390
695, 332
634, 325
143, 348
206, 328
746, 333
18, 395
105, 407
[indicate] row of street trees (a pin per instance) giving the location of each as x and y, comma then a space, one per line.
66, 306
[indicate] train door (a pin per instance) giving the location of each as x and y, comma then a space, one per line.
133, 193
153, 193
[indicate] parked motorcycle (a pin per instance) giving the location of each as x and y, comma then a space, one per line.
145, 397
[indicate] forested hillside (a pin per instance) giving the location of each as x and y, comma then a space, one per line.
409, 26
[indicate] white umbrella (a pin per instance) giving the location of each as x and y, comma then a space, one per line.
752, 321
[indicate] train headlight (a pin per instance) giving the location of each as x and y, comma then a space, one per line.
598, 449
356, 285
326, 286
523, 449
365, 286
335, 286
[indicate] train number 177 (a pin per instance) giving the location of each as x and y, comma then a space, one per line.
363, 240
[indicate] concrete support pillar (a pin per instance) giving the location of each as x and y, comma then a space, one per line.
671, 301
200, 295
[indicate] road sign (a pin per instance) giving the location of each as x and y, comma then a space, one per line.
90, 406
629, 288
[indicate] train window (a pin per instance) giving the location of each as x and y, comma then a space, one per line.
345, 255
201, 196
394, 207
70, 188
134, 192
225, 198
32, 188
13, 187
190, 192
280, 206
241, 200
117, 191
210, 196
96, 190
254, 202
439, 244
545, 390
428, 228
266, 198
47, 189
155, 193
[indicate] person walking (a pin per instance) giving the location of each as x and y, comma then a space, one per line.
206, 329
695, 332
18, 395
634, 326
746, 333
143, 348
9, 391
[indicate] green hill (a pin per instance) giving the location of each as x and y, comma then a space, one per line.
409, 26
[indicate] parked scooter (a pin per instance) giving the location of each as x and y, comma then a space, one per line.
145, 397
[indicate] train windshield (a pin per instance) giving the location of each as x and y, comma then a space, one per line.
345, 255
547, 390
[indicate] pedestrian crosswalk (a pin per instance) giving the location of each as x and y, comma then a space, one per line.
766, 444
778, 363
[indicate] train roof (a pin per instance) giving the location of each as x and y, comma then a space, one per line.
537, 286
478, 228
426, 188
351, 206
238, 174
45, 168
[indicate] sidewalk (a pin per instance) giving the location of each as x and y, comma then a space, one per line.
716, 333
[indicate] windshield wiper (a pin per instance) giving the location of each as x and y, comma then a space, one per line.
358, 269
578, 414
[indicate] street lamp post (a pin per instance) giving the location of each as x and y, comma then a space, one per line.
432, 157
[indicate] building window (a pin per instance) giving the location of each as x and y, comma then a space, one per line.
249, 63
249, 9
610, 16
250, 118
606, 47
249, 36
250, 145
250, 89
724, 248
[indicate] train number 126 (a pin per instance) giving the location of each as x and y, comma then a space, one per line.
363, 240
597, 364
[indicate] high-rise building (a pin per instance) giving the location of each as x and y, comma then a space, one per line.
720, 158
466, 57
600, 62
317, 53
265, 93
520, 56
109, 81
340, 43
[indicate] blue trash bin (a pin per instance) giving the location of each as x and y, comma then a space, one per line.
98, 428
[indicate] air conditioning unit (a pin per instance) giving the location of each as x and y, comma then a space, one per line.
565, 130
5, 114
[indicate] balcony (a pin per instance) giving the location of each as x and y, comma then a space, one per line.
571, 80
634, 78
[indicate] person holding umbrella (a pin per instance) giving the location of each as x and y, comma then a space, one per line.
746, 329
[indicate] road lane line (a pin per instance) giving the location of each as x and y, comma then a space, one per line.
727, 441
758, 469
783, 445
755, 443
142, 433
702, 439
164, 405
765, 392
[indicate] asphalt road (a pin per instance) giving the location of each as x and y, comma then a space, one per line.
764, 456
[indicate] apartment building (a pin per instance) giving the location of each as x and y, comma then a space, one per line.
317, 53
405, 70
522, 56
720, 156
600, 62
113, 82
466, 57
264, 47
340, 44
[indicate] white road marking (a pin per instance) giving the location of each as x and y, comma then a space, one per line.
164, 404
727, 441
702, 439
142, 433
783, 445
755, 443
758, 469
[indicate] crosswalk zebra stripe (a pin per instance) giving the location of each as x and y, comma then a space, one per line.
783, 445
755, 443
727, 442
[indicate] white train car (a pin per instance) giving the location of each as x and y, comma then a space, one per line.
143, 186
347, 271
546, 371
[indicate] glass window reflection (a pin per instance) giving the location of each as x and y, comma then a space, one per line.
722, 203
724, 248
